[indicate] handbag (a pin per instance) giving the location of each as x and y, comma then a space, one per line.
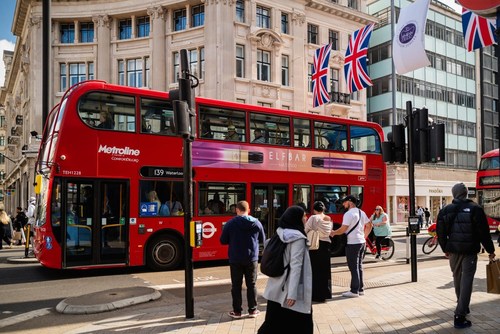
493, 277
313, 239
16, 235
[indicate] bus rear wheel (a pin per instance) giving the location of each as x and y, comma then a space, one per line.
164, 252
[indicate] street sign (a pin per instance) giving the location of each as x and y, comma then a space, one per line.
486, 8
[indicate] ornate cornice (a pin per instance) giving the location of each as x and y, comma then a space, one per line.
102, 20
266, 38
216, 2
157, 12
35, 21
298, 18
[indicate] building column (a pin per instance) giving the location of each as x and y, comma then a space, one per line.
158, 54
103, 65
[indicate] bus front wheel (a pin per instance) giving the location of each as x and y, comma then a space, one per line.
164, 252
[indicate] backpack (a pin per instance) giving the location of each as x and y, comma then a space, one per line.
272, 263
164, 210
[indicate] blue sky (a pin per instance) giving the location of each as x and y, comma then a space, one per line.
7, 40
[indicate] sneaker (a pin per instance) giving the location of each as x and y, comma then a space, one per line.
253, 313
234, 315
377, 257
361, 293
350, 294
460, 322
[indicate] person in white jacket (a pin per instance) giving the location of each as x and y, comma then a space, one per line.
289, 297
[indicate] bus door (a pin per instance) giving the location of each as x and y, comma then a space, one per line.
95, 222
269, 202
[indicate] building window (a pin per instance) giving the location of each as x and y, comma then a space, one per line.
71, 74
198, 16
333, 39
263, 17
135, 74
285, 25
179, 19
63, 79
193, 62
196, 60
202, 63
2, 142
240, 11
240, 61
334, 80
263, 65
143, 26
312, 33
86, 32
285, 70
352, 4
125, 28
77, 73
310, 72
67, 33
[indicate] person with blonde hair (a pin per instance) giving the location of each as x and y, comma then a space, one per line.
5, 228
153, 198
381, 227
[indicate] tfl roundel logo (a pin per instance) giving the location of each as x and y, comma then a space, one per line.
407, 33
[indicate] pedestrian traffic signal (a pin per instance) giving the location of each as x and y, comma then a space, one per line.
427, 140
436, 143
394, 149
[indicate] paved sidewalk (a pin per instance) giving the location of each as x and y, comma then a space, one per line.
392, 304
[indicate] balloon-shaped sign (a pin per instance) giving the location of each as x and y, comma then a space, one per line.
486, 8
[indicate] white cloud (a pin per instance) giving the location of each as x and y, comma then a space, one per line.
4, 45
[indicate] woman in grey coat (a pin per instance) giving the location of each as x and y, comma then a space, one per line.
289, 296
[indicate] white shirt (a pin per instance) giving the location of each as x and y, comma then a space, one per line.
357, 236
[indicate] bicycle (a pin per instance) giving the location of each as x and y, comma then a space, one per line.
386, 247
431, 243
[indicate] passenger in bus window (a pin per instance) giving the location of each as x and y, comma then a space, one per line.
232, 135
258, 137
88, 202
232, 209
153, 198
106, 120
174, 206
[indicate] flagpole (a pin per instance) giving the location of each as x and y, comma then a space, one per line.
393, 79
497, 32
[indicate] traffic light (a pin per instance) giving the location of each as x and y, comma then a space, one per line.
394, 149
183, 102
436, 143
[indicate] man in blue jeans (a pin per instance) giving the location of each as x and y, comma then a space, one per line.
353, 225
461, 229
243, 234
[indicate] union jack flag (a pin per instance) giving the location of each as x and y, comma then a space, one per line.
478, 31
355, 59
319, 76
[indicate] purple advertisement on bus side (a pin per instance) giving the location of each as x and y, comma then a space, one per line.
230, 155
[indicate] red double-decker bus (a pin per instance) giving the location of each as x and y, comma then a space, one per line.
488, 187
111, 174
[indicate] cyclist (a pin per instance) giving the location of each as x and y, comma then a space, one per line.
381, 227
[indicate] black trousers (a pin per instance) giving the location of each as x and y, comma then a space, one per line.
238, 271
284, 320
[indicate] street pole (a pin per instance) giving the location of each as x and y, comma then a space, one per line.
185, 96
411, 186
46, 86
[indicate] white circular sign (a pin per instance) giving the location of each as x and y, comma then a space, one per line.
208, 230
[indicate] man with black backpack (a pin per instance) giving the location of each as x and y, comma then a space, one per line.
461, 228
243, 234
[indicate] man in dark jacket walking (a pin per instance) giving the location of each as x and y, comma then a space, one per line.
462, 228
243, 234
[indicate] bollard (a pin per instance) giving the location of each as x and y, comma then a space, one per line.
27, 243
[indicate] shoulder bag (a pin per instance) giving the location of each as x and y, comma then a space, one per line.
313, 239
